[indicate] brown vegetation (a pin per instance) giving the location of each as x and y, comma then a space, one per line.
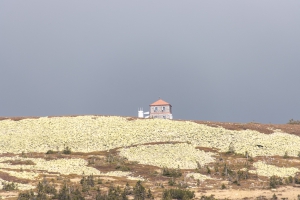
262, 128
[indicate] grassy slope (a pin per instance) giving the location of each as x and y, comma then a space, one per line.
96, 138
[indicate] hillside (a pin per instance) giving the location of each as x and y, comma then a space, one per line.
209, 155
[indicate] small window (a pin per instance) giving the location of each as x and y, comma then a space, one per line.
163, 108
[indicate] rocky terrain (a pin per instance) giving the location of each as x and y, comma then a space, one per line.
120, 150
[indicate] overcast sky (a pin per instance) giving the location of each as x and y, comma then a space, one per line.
232, 61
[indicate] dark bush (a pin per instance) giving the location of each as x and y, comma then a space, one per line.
89, 180
139, 191
297, 180
226, 171
67, 193
20, 162
292, 121
223, 186
67, 150
243, 174
46, 188
274, 197
123, 168
274, 181
236, 182
114, 193
26, 195
231, 148
211, 197
127, 189
99, 181
9, 186
171, 172
50, 152
208, 170
178, 194
149, 194
171, 182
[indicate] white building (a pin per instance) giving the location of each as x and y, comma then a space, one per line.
158, 109
161, 109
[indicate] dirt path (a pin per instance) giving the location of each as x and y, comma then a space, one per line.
9, 194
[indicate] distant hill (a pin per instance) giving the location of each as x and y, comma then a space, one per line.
203, 156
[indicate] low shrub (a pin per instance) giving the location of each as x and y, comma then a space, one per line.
297, 180
89, 180
67, 150
99, 181
236, 182
9, 186
112, 193
20, 162
275, 180
139, 191
26, 195
242, 174
171, 182
251, 159
274, 197
50, 152
68, 192
288, 180
178, 194
123, 168
231, 149
223, 186
226, 171
149, 194
211, 197
208, 170
292, 121
171, 172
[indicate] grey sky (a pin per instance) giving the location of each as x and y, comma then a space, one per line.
235, 61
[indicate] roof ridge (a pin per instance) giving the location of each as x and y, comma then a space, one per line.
160, 102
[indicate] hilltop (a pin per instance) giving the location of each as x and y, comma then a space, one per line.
203, 156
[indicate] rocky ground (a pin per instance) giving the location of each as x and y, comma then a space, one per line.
211, 156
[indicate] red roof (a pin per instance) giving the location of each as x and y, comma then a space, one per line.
160, 102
